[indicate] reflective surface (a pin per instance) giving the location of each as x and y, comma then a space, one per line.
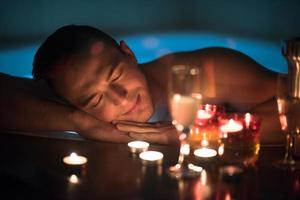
32, 169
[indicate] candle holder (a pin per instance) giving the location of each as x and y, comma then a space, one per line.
138, 146
151, 157
239, 136
75, 164
206, 129
204, 137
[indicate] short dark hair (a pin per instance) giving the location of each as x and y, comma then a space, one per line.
67, 41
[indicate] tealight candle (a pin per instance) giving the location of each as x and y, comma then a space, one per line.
74, 159
203, 114
151, 157
138, 146
205, 152
231, 126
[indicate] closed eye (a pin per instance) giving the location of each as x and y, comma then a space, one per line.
116, 76
95, 101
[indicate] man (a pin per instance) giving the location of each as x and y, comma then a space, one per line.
87, 82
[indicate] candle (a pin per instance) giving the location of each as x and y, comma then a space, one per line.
203, 114
205, 152
231, 126
74, 159
151, 157
138, 146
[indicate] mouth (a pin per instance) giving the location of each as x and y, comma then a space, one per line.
134, 106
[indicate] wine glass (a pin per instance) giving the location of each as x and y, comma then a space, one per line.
289, 117
184, 99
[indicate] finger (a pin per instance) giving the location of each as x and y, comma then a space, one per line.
128, 122
145, 124
140, 129
133, 123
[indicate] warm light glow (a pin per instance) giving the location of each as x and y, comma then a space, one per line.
227, 196
73, 179
151, 156
231, 170
197, 96
203, 178
221, 149
195, 168
176, 97
204, 143
203, 114
138, 146
185, 149
231, 126
74, 159
283, 122
205, 152
247, 119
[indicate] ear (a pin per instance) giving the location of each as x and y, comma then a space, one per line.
127, 51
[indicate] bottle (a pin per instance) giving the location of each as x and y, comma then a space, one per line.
291, 51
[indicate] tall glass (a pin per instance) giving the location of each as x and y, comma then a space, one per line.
184, 100
289, 117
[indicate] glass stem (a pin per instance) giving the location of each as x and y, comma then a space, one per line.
289, 151
184, 150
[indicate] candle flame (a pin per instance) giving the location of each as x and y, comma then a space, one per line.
247, 119
74, 179
73, 155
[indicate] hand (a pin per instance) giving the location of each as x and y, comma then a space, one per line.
159, 132
92, 128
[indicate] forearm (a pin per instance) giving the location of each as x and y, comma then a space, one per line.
23, 108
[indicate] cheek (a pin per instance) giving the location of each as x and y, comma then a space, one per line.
134, 78
107, 113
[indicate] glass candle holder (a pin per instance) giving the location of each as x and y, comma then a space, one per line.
205, 132
204, 137
239, 136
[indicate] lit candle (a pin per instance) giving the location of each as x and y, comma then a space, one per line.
231, 126
138, 146
203, 114
74, 159
247, 119
151, 157
205, 152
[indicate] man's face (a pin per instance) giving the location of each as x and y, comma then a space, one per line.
107, 84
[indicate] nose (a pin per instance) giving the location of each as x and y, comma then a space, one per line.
117, 94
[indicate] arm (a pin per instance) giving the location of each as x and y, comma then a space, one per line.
25, 106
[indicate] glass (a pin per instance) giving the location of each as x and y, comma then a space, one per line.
239, 134
289, 117
204, 137
184, 101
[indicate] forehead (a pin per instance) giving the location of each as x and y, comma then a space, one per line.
85, 73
